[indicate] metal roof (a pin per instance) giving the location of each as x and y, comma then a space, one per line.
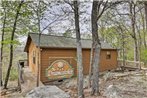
51, 41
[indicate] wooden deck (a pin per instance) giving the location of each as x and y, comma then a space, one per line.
131, 65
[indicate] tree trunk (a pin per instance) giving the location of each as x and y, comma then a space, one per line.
145, 6
139, 50
11, 46
123, 58
79, 51
90, 67
139, 44
39, 31
1, 55
123, 45
133, 22
135, 52
96, 43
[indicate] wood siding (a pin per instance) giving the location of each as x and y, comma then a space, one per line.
33, 66
49, 55
108, 64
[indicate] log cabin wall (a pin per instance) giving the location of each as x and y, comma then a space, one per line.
49, 55
108, 59
33, 57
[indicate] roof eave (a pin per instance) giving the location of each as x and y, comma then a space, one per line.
27, 44
74, 48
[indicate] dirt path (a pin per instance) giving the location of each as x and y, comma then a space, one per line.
29, 84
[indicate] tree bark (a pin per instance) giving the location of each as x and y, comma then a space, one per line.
96, 43
133, 22
139, 49
90, 67
1, 55
39, 31
123, 55
123, 46
139, 44
145, 7
11, 45
79, 50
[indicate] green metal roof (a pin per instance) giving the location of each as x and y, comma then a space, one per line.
51, 41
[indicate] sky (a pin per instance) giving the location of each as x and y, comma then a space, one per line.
68, 21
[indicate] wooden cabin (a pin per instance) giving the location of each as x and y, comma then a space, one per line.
57, 57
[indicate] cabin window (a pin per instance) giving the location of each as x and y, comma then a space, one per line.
108, 55
34, 57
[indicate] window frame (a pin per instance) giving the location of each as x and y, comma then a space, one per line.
108, 55
34, 57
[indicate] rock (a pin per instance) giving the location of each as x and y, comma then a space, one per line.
86, 80
47, 92
69, 92
108, 76
71, 83
112, 92
75, 95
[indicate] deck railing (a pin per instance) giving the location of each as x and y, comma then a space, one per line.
21, 64
133, 64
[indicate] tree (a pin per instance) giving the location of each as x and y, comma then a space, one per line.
39, 31
2, 39
97, 45
24, 25
98, 9
11, 45
133, 34
145, 7
79, 50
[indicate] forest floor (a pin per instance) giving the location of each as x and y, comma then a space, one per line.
112, 85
